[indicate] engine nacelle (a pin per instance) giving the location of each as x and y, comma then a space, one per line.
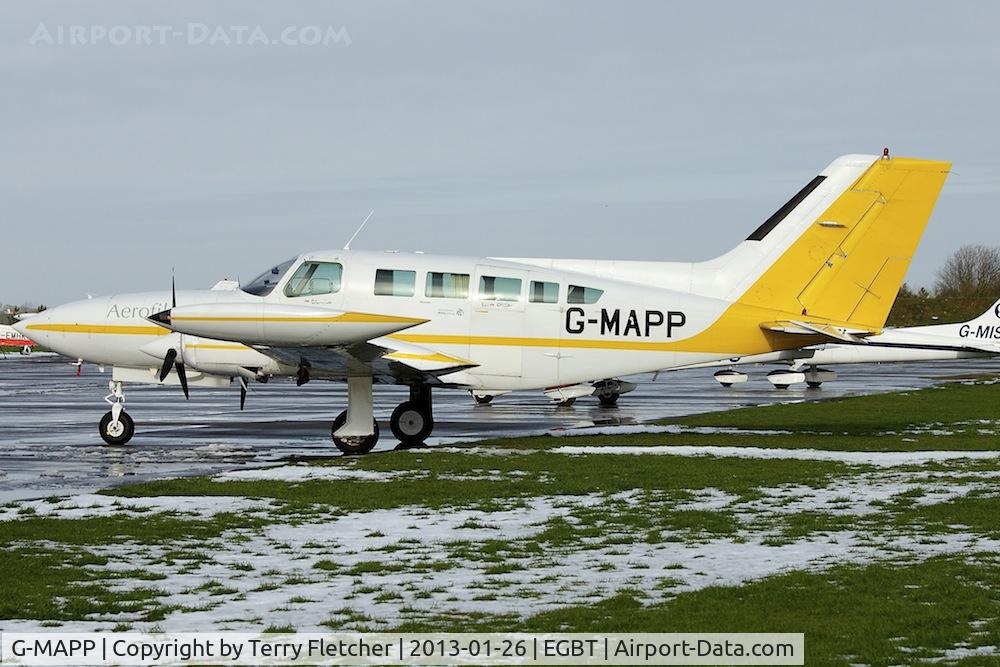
279, 324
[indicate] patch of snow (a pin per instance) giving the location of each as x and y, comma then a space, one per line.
678, 429
882, 459
300, 570
302, 473
89, 505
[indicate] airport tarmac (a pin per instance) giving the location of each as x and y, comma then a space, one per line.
49, 443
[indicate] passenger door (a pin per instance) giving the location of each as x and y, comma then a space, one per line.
497, 327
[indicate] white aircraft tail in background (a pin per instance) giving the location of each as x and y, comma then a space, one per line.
977, 338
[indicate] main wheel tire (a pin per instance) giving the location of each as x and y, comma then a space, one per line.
410, 424
482, 400
117, 434
609, 401
782, 386
353, 445
814, 385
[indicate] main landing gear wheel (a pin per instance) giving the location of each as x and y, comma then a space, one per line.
814, 385
116, 433
609, 401
410, 423
482, 400
353, 444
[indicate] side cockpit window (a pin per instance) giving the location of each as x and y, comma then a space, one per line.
265, 283
315, 278
584, 295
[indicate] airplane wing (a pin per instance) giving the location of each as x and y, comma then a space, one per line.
390, 361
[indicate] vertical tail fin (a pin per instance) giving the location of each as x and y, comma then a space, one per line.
991, 316
843, 262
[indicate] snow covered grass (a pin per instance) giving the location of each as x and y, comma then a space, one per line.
882, 555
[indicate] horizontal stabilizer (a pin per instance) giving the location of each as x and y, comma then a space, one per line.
840, 334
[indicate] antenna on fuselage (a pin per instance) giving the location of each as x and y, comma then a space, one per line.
347, 246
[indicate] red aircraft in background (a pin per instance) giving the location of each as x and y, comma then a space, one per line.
10, 337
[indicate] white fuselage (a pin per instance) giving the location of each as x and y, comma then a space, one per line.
517, 342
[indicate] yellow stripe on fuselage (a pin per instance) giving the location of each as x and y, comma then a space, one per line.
698, 343
119, 329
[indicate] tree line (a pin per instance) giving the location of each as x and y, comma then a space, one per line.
9, 310
966, 285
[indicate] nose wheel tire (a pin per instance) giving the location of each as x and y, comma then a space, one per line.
353, 444
410, 424
119, 433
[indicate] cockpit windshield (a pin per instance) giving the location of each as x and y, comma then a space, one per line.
263, 284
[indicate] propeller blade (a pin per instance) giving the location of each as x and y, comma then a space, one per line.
173, 289
182, 376
168, 361
243, 392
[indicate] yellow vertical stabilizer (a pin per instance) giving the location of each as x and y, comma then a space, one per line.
848, 265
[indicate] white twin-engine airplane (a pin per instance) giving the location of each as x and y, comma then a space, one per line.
826, 266
978, 338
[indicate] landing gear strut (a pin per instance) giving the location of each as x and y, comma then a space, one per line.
412, 421
355, 430
116, 427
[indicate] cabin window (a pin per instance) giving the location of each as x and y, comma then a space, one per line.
585, 295
314, 279
447, 285
393, 282
496, 288
540, 292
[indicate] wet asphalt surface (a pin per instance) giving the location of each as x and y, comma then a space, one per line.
49, 443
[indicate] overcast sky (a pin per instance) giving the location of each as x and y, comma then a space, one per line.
645, 130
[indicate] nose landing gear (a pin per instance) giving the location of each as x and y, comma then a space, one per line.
116, 427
